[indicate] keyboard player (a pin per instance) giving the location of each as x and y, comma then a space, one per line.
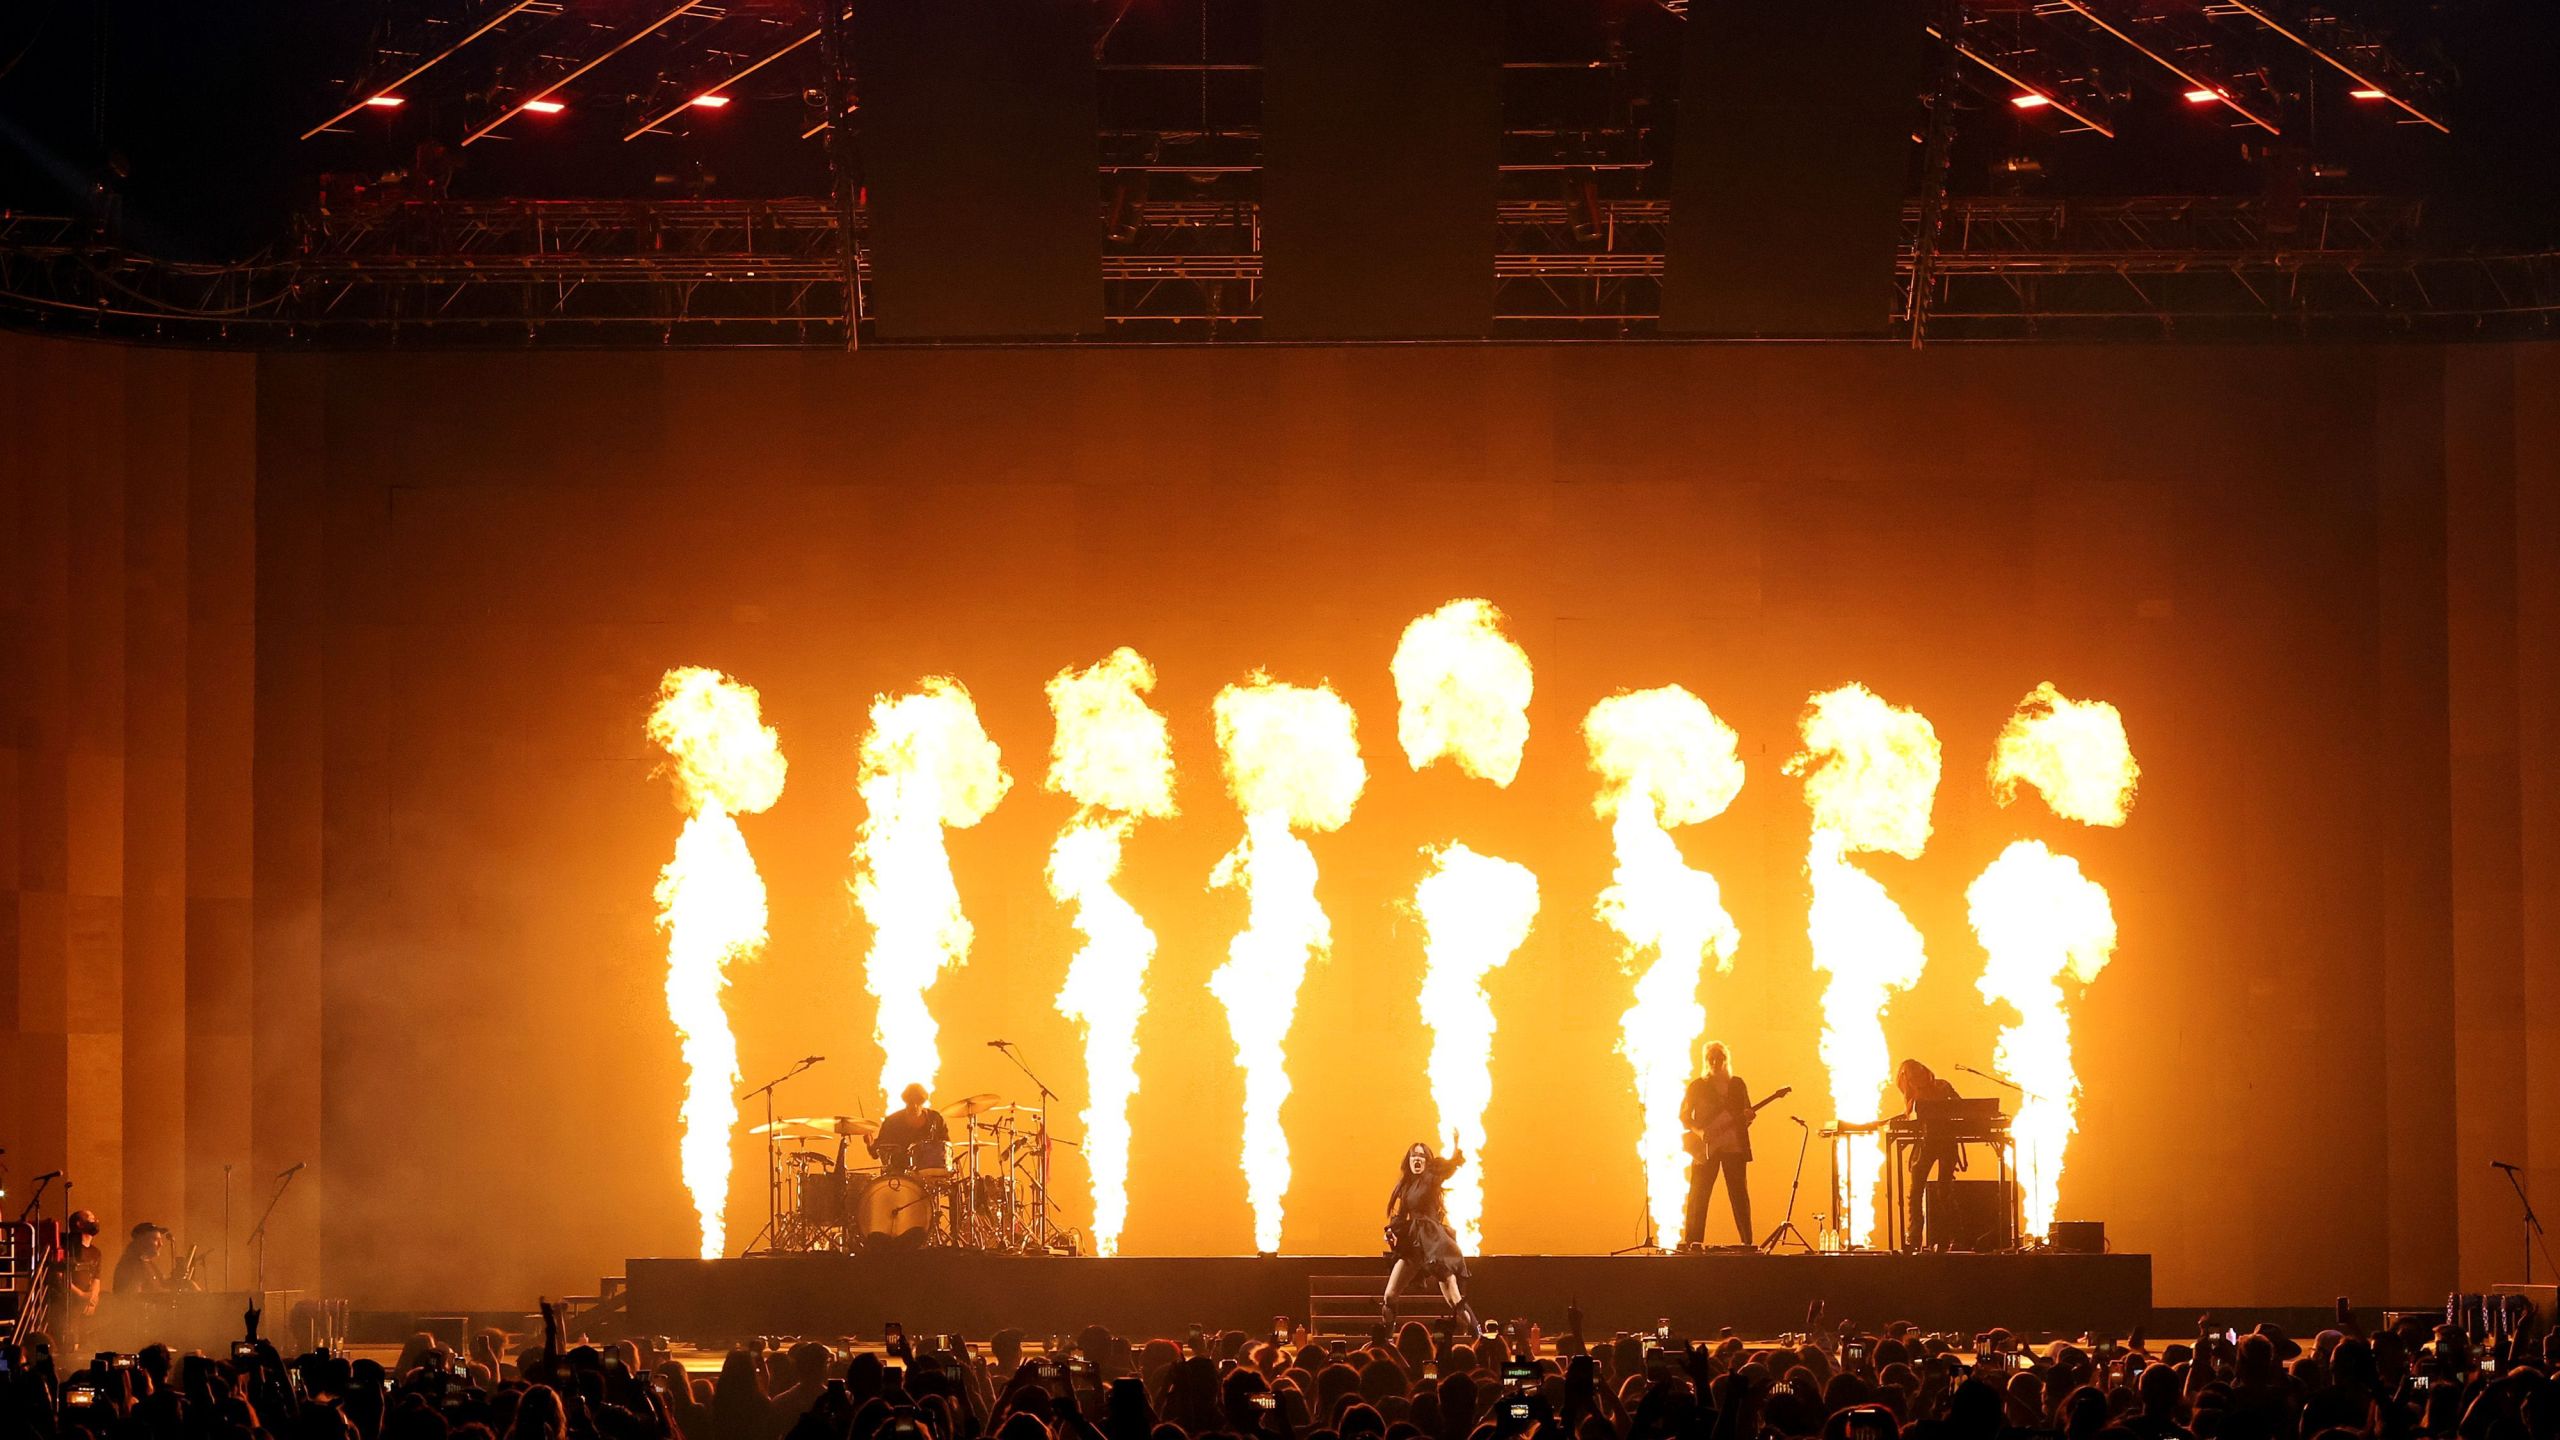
1936, 1153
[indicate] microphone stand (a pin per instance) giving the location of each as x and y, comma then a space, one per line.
2000, 1080
258, 1236
773, 1158
1787, 1227
2533, 1234
226, 1226
1040, 1182
37, 1198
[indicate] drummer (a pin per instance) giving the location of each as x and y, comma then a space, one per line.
913, 1138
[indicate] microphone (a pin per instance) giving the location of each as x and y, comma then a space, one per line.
288, 1171
998, 1044
50, 1175
808, 1060
1799, 1121
2503, 1165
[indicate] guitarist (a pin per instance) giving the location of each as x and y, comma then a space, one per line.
1717, 1114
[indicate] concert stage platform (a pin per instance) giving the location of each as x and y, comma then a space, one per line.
974, 1293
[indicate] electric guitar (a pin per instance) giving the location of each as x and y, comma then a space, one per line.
1722, 1128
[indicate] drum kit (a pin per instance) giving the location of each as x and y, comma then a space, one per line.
990, 1190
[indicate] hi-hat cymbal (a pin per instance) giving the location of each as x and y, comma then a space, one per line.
972, 1104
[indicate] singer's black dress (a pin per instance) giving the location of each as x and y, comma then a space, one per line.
1418, 1222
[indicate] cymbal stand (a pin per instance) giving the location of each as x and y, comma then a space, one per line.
772, 1232
1040, 1232
966, 1226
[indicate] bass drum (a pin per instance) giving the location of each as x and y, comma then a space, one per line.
896, 1212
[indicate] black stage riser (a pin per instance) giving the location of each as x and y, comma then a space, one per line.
714, 1301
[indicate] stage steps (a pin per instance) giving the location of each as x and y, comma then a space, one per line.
604, 1315
1347, 1305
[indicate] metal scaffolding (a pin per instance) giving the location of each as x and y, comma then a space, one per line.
765, 273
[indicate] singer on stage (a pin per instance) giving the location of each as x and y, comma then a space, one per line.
1418, 1233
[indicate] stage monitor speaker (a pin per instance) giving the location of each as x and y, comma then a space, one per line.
2077, 1237
981, 168
1969, 1214
1790, 167
1381, 148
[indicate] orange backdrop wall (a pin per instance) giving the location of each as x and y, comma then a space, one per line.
471, 571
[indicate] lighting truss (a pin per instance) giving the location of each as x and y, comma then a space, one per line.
739, 273
645, 60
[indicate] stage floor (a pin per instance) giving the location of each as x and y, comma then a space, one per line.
973, 1294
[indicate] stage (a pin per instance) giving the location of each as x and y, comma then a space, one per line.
974, 1293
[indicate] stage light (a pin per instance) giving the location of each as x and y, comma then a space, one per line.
2367, 94
2030, 101
2203, 97
545, 107
710, 102
386, 102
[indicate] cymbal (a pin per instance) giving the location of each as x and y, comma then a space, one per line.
972, 1104
818, 1127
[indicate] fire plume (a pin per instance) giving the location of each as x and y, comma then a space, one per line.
1870, 773
2039, 919
1292, 760
1462, 694
1664, 759
2073, 751
1476, 910
726, 761
926, 766
1111, 756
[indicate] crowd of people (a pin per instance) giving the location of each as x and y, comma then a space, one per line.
1835, 1382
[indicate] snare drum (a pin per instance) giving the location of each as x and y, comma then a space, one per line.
896, 1212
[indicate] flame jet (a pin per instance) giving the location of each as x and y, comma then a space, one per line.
1664, 759
1112, 756
1462, 694
726, 762
1476, 910
2039, 919
1870, 774
926, 766
1292, 758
